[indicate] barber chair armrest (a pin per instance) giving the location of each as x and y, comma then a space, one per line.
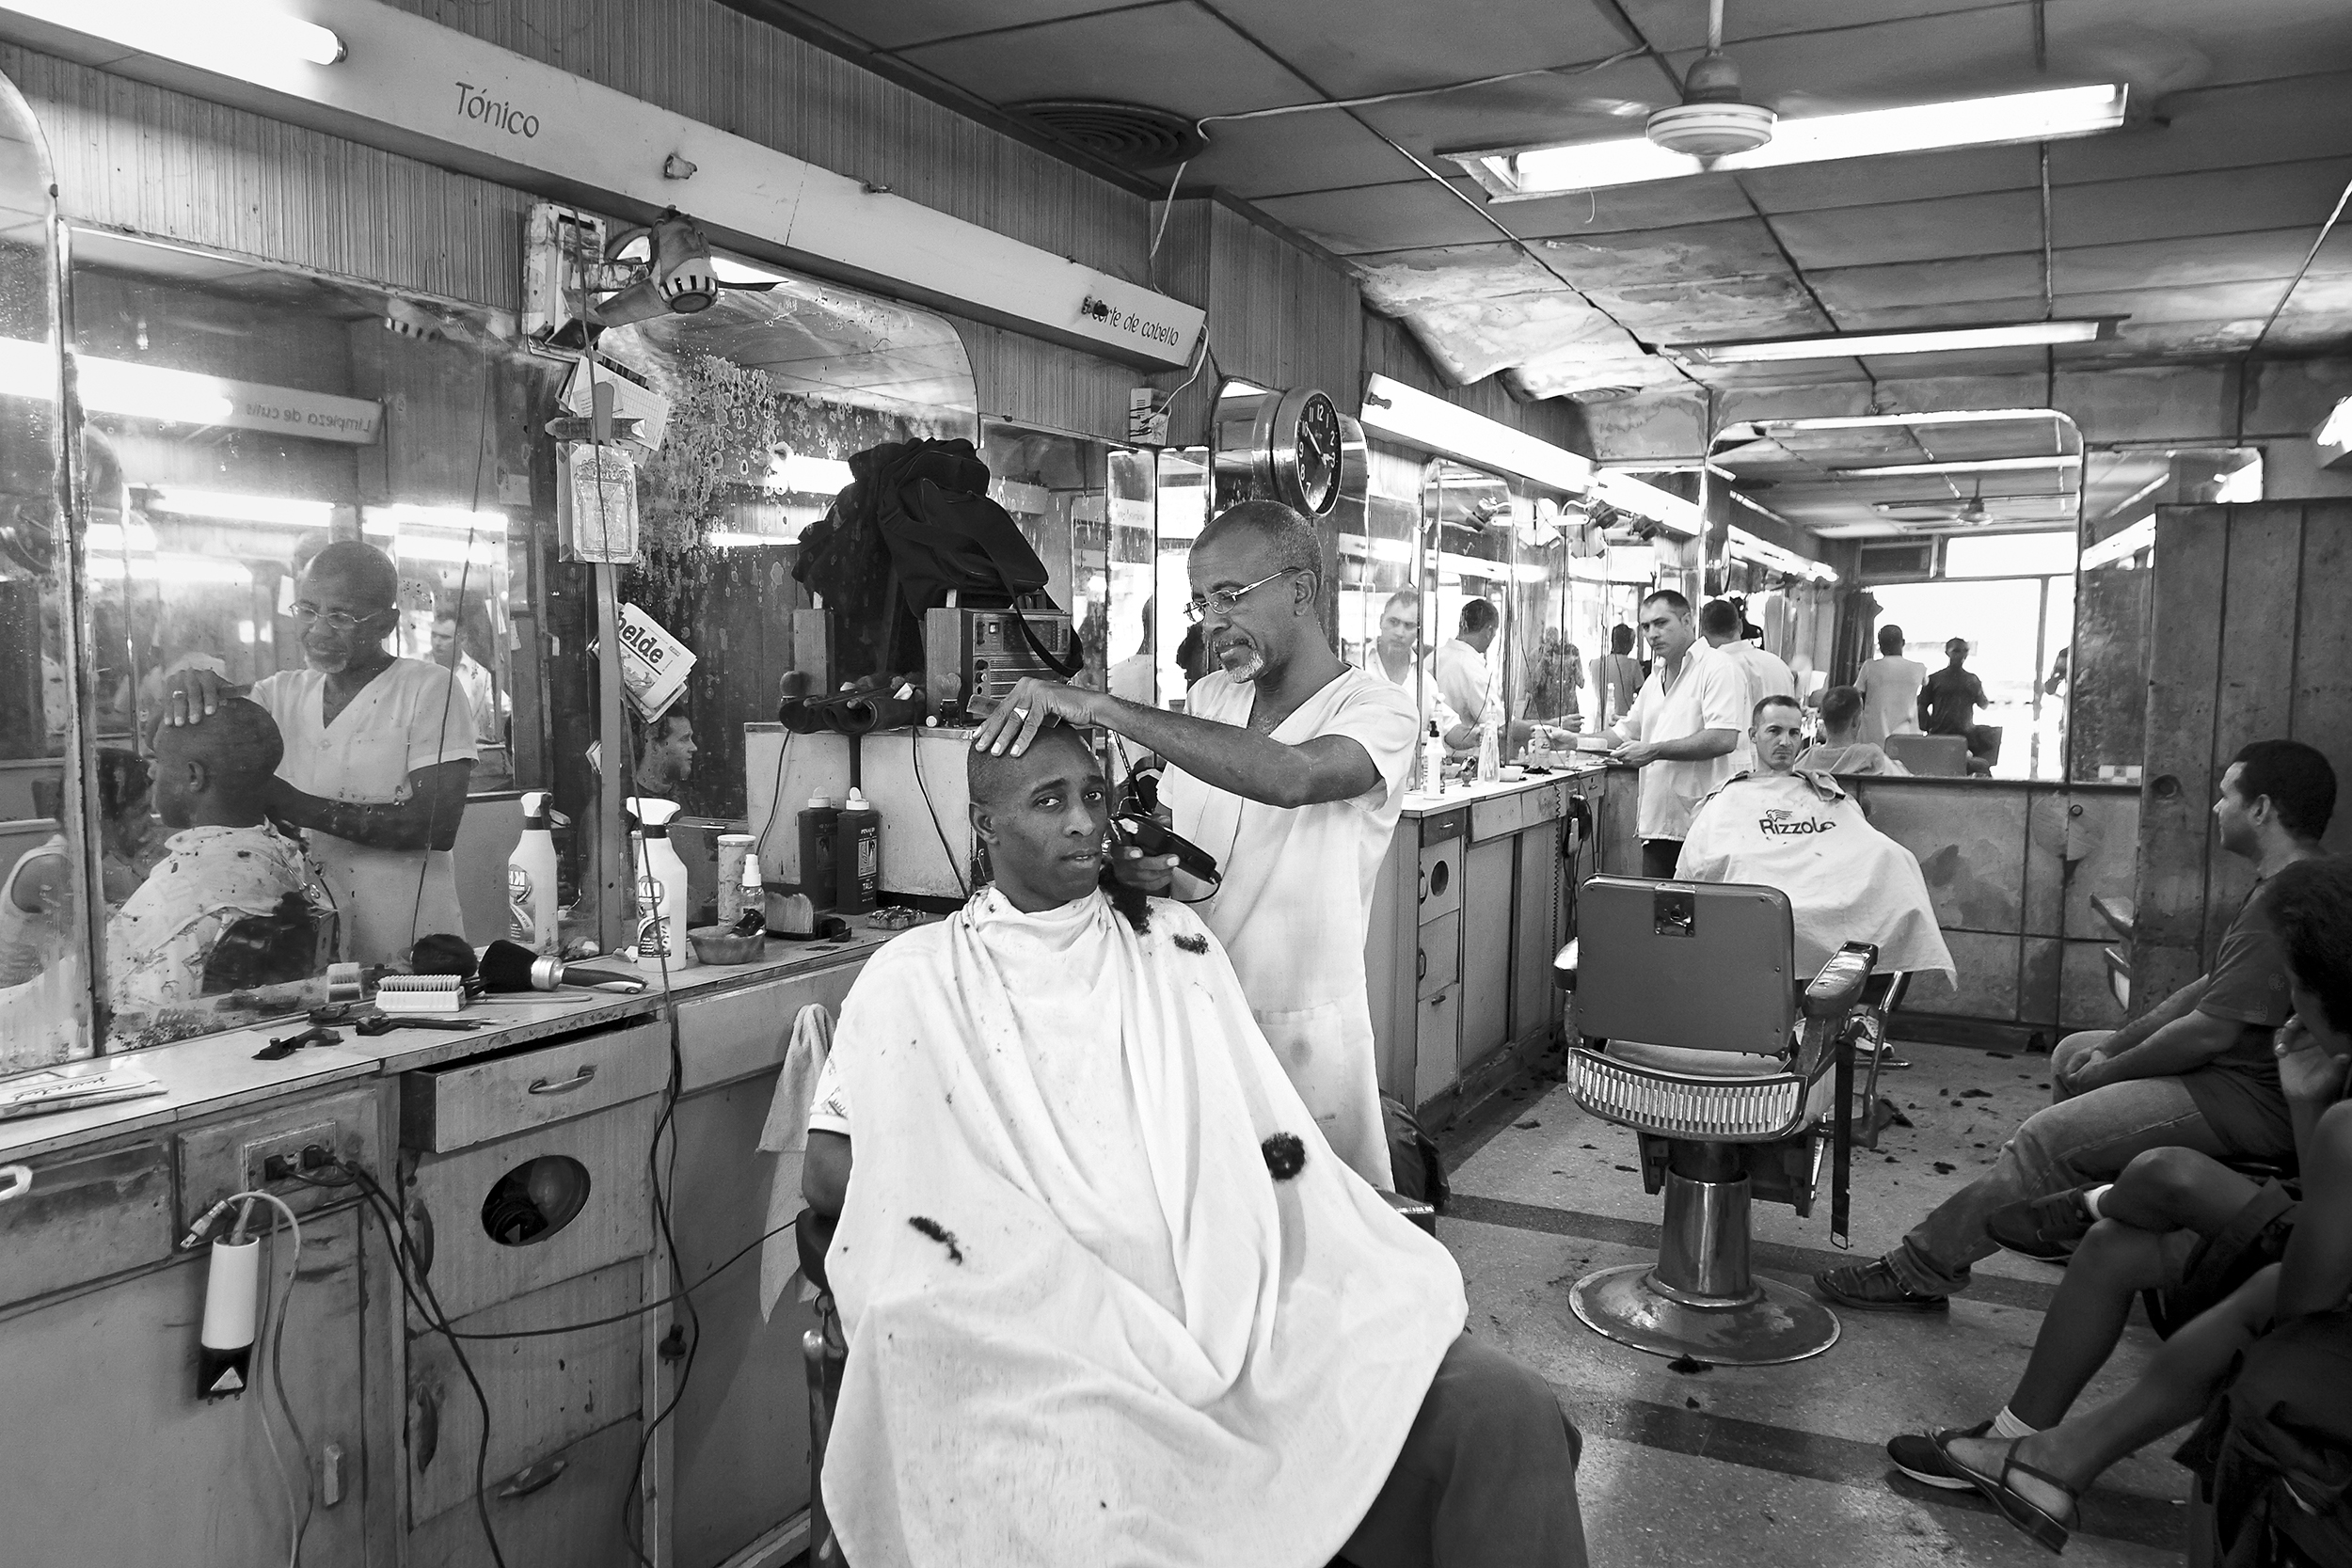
1564, 967
1841, 982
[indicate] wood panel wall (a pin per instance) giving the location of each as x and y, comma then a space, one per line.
2249, 642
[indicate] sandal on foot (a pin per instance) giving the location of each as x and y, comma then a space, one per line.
2047, 1529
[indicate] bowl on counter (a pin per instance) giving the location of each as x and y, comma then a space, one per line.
717, 944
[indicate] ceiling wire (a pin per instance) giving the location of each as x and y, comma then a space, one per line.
2296, 282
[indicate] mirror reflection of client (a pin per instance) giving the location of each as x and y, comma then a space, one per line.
213, 782
378, 753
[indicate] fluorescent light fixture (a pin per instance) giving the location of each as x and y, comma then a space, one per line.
722, 539
251, 41
401, 515
1412, 417
2336, 429
803, 475
1963, 465
116, 538
2122, 545
114, 387
1857, 346
281, 511
1662, 507
1886, 421
175, 568
1519, 174
418, 547
1779, 557
1397, 550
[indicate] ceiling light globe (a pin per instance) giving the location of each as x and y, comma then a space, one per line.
1711, 130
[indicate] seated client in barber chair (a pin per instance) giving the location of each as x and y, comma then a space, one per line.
1109, 1297
228, 881
1798, 831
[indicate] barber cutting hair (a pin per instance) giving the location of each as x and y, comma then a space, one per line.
1683, 729
1290, 770
378, 752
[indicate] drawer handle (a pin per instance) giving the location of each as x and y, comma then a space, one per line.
1421, 964
15, 1181
532, 1478
578, 1080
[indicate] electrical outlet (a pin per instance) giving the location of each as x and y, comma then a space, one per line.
287, 1146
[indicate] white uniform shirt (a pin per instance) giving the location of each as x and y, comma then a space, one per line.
411, 716
1765, 677
1433, 703
1470, 686
1707, 694
1297, 899
1890, 697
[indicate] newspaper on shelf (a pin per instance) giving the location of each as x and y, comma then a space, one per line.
70, 1088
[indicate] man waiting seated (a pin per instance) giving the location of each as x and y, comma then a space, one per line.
225, 862
1799, 832
1841, 748
2035, 1476
1109, 1296
2196, 1071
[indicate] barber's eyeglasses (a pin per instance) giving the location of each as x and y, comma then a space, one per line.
337, 620
1224, 601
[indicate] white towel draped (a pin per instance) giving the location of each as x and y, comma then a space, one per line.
787, 1132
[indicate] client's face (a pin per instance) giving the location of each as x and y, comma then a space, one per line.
1045, 820
1778, 735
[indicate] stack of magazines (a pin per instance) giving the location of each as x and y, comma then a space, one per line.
70, 1088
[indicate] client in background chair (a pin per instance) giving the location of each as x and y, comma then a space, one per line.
225, 859
1781, 827
1841, 748
1109, 1296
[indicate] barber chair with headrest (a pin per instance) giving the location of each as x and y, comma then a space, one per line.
1737, 1073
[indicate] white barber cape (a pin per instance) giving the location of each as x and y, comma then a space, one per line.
1846, 881
1087, 1324
1297, 901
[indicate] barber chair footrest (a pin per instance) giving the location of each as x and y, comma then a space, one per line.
1781, 1325
1727, 1110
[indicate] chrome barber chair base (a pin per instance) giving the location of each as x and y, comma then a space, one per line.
1781, 1325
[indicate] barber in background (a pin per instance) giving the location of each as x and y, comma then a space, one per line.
1290, 769
668, 759
1460, 663
380, 750
1721, 624
1683, 729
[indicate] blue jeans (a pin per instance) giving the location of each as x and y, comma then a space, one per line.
2079, 1139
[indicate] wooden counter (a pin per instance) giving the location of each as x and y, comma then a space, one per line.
99, 1309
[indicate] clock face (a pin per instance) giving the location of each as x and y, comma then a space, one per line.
1315, 435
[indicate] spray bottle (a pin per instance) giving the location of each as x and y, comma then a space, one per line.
531, 890
1433, 760
662, 909
859, 849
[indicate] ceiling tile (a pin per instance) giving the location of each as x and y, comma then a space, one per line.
2208, 258
2305, 117
1354, 48
1681, 24
1914, 230
1382, 217
1927, 284
1669, 204
1913, 176
905, 22
1256, 158
2217, 201
1593, 105
1174, 56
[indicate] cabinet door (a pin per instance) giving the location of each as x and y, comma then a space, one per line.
1536, 938
1438, 1040
1438, 956
565, 1511
1487, 905
117, 1459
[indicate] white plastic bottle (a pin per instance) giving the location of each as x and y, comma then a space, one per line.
661, 897
1433, 760
531, 879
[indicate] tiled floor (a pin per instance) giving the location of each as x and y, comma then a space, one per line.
1751, 1467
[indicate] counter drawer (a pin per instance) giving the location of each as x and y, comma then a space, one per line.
544, 1393
614, 1220
1440, 959
1505, 813
1440, 825
562, 1513
453, 1107
84, 1217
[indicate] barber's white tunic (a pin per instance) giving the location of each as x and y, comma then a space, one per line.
1705, 694
411, 716
1296, 899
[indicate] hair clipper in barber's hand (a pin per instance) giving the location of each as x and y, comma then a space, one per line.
1153, 838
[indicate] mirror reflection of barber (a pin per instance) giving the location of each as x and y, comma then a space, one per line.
380, 750
1684, 727
1396, 657
1290, 769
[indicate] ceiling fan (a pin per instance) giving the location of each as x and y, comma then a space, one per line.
1717, 125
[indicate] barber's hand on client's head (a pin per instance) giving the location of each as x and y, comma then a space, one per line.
1029, 708
190, 696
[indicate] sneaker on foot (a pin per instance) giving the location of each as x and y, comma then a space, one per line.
1921, 1456
2044, 1229
1874, 1288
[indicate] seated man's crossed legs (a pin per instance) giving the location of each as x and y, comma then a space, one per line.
2171, 1214
2080, 1140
